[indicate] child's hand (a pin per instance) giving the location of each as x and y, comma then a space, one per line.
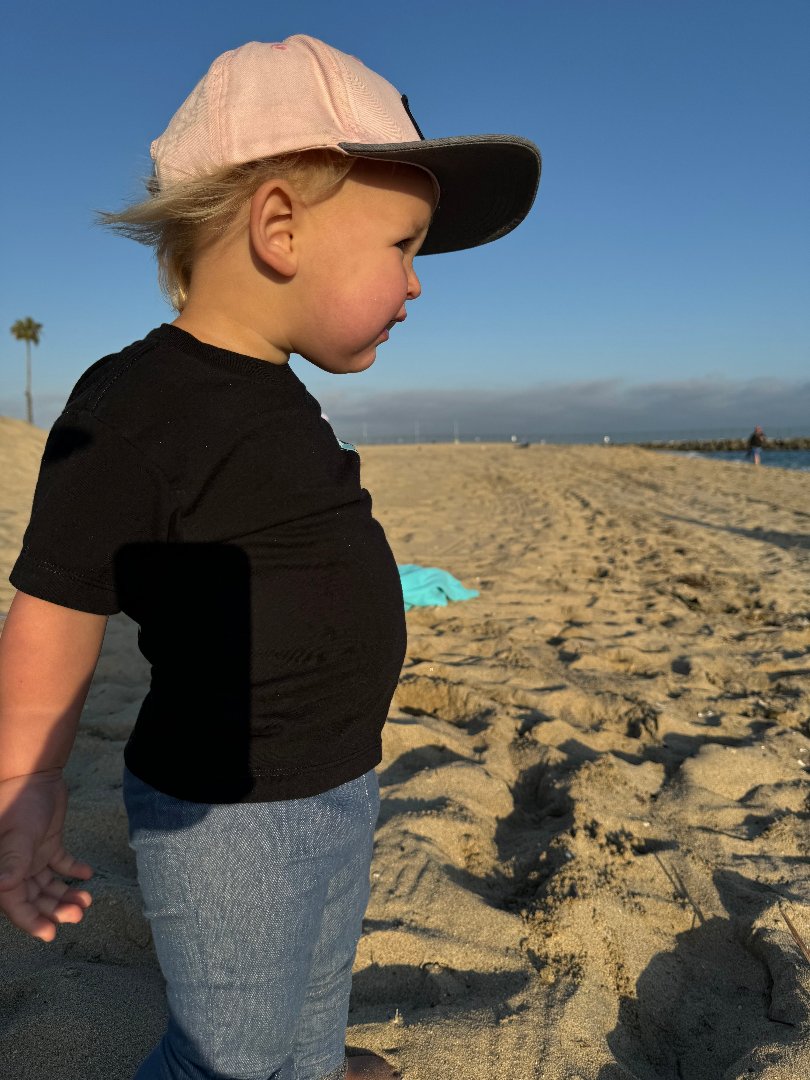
33, 861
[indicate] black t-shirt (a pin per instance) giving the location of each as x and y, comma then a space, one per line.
202, 492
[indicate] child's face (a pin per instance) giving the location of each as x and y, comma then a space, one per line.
358, 270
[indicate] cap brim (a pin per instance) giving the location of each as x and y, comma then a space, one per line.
488, 184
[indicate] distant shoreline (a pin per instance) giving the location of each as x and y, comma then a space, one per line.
707, 445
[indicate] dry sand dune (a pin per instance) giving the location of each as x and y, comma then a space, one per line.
595, 806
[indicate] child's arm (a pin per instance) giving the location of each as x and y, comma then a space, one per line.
48, 654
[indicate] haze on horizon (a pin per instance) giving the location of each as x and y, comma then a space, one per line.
703, 408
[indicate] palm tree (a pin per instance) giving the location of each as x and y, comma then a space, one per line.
28, 331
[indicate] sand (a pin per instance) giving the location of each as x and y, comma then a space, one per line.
595, 810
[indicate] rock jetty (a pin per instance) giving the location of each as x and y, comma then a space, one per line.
703, 445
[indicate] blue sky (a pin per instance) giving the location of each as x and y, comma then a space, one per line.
661, 281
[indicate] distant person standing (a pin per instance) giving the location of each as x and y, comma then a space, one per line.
756, 440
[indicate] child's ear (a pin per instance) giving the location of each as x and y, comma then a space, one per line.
271, 227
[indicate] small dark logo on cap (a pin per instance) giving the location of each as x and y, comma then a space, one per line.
410, 114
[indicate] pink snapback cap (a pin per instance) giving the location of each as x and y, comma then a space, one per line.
269, 98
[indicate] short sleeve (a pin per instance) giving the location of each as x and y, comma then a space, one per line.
95, 493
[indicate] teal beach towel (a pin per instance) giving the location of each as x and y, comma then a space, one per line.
427, 586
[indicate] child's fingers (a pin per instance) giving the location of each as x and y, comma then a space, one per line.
80, 897
60, 890
65, 865
20, 911
41, 901
55, 899
41, 927
57, 910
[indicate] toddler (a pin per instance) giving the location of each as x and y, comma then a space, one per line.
192, 482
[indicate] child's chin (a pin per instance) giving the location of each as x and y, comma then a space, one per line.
344, 365
364, 362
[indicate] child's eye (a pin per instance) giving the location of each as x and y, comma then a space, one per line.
403, 244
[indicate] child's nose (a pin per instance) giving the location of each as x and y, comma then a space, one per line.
414, 285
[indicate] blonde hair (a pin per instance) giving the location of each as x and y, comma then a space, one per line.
180, 221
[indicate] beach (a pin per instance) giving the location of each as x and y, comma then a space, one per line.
592, 855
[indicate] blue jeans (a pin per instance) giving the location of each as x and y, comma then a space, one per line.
256, 910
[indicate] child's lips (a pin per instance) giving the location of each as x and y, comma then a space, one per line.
392, 324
